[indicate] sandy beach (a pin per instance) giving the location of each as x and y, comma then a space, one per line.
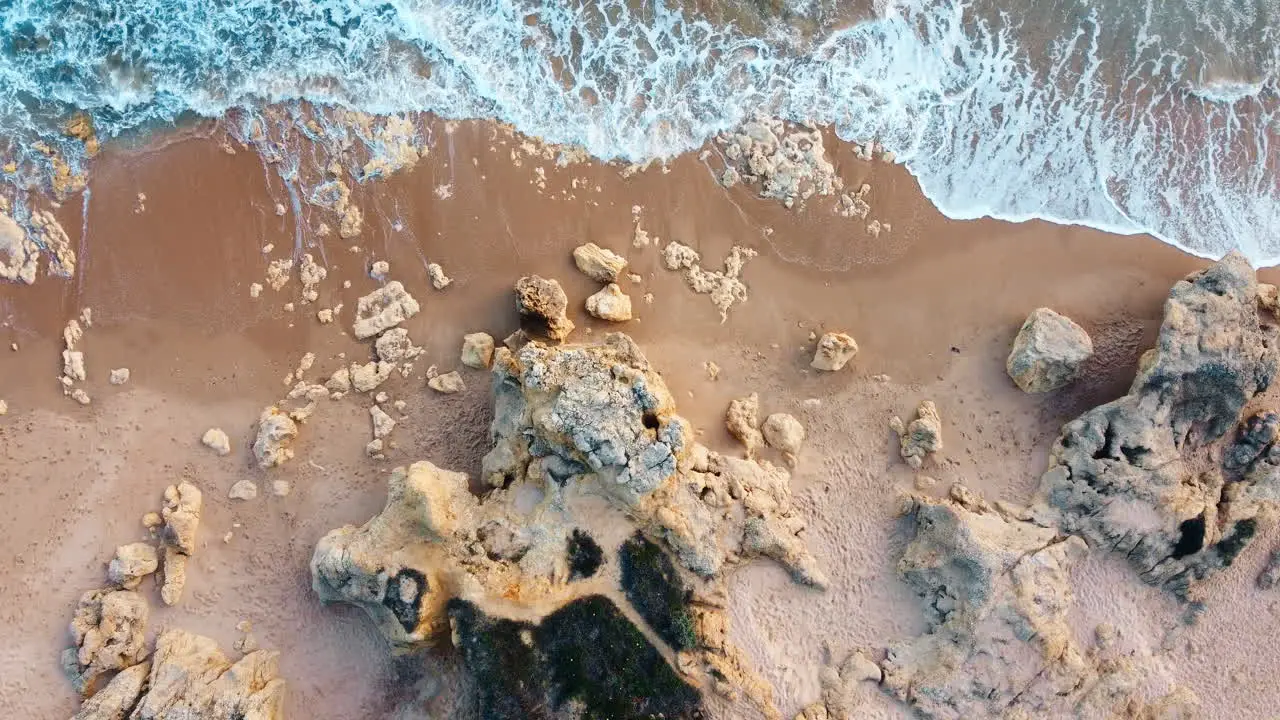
933, 303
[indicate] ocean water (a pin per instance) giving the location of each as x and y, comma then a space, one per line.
1157, 116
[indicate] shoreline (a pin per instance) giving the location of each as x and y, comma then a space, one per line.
933, 304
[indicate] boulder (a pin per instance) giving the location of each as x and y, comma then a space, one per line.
132, 563
543, 304
834, 351
1144, 474
1049, 352
599, 264
477, 350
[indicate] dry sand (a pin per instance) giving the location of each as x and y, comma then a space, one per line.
933, 304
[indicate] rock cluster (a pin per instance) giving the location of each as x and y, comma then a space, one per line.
1049, 352
1142, 474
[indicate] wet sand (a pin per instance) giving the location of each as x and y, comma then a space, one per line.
933, 304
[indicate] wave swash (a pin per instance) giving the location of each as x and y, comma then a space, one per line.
1159, 116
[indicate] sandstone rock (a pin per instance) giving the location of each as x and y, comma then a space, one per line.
543, 303
785, 434
598, 263
743, 422
922, 437
477, 350
439, 280
117, 699
132, 563
216, 440
366, 566
382, 309
191, 678
1049, 352
109, 631
394, 346
834, 351
383, 424
276, 431
610, 303
174, 576
119, 376
448, 383
366, 378
1141, 474
181, 513
591, 409
243, 490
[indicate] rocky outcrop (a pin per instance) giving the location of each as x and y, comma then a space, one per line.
834, 351
382, 309
996, 595
110, 633
190, 677
543, 305
588, 451
922, 437
1049, 352
598, 263
1142, 474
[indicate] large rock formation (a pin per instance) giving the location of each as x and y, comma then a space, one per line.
190, 677
590, 465
997, 594
1142, 474
110, 633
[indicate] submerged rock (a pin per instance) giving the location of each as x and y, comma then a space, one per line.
544, 305
1140, 474
1049, 352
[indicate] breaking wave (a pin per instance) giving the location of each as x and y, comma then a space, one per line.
1159, 116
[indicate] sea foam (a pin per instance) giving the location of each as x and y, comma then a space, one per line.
1116, 117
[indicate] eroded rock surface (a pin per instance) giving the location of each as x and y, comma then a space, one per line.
276, 431
834, 351
1049, 352
997, 596
544, 305
1142, 474
132, 563
382, 309
181, 514
109, 631
922, 437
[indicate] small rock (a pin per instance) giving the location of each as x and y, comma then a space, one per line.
80, 396
477, 350
374, 448
152, 520
119, 376
448, 383
216, 440
73, 364
367, 377
743, 421
834, 351
379, 270
439, 280
785, 434
395, 346
610, 304
713, 370
1049, 352
132, 563
382, 309
598, 263
325, 316
4, 408
276, 431
280, 488
243, 490
922, 437
255, 290
544, 303
339, 381
1270, 574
